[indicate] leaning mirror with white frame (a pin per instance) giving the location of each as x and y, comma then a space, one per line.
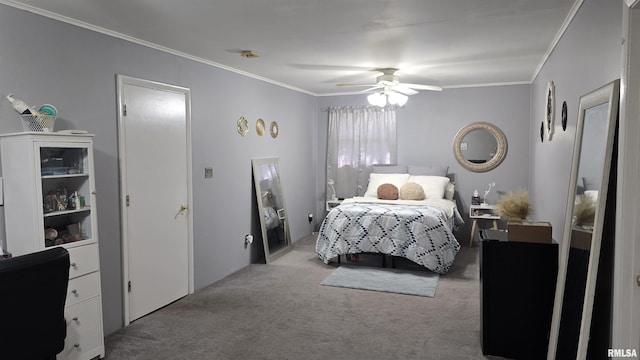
271, 208
585, 215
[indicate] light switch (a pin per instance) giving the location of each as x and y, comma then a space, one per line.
208, 173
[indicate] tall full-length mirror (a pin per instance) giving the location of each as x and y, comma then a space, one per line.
585, 216
271, 207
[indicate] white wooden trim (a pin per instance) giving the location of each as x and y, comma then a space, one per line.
632, 3
122, 151
626, 295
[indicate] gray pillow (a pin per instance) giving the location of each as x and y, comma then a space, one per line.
389, 169
434, 170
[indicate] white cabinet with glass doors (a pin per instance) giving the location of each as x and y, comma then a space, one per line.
49, 200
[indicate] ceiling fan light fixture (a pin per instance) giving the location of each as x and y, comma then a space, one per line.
383, 98
377, 99
396, 98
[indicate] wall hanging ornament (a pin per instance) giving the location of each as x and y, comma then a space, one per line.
564, 116
550, 109
260, 127
242, 126
274, 130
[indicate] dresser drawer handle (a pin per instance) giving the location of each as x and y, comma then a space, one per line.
73, 265
77, 346
74, 292
75, 318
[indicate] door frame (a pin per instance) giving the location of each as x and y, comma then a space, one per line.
626, 295
123, 80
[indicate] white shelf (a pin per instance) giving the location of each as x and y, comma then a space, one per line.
483, 212
63, 176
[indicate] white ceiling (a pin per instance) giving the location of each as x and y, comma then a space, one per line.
311, 45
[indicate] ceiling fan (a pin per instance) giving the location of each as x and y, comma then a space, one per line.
389, 89
390, 81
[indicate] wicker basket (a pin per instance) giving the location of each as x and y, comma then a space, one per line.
40, 122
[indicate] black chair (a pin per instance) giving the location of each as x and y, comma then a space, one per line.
33, 290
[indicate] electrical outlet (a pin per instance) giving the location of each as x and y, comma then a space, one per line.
208, 173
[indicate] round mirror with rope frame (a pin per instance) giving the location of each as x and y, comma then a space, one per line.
496, 156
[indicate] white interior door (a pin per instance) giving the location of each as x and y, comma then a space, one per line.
156, 194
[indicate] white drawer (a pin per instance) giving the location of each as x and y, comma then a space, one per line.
83, 287
83, 259
84, 331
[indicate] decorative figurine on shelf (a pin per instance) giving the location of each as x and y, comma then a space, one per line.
71, 201
61, 198
486, 193
475, 199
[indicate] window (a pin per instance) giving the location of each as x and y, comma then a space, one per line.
358, 138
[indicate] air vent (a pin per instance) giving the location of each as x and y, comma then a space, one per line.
249, 54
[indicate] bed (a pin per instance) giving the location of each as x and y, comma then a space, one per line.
420, 229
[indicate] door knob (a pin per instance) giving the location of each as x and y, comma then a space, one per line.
183, 208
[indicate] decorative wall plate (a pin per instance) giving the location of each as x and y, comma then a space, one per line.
564, 116
273, 129
550, 109
243, 126
260, 127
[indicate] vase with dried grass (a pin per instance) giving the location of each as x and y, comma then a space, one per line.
584, 211
514, 206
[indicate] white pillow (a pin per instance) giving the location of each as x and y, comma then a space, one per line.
376, 180
450, 191
592, 195
433, 186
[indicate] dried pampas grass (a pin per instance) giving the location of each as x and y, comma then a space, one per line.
514, 205
584, 211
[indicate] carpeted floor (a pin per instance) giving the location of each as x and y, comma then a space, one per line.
280, 311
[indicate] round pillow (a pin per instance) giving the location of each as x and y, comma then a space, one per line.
412, 191
387, 192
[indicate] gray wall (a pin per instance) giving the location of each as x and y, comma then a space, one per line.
46, 61
428, 124
587, 57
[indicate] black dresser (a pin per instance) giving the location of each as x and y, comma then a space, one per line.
517, 289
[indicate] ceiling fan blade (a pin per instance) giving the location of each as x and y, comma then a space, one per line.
404, 89
356, 84
375, 87
422, 87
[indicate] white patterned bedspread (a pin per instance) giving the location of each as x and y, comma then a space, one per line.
421, 233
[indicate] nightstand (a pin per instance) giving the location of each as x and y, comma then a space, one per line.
481, 212
333, 203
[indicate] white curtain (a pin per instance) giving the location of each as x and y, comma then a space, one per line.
358, 138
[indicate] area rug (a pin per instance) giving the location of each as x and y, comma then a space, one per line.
384, 279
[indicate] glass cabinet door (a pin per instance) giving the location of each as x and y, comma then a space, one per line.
66, 194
